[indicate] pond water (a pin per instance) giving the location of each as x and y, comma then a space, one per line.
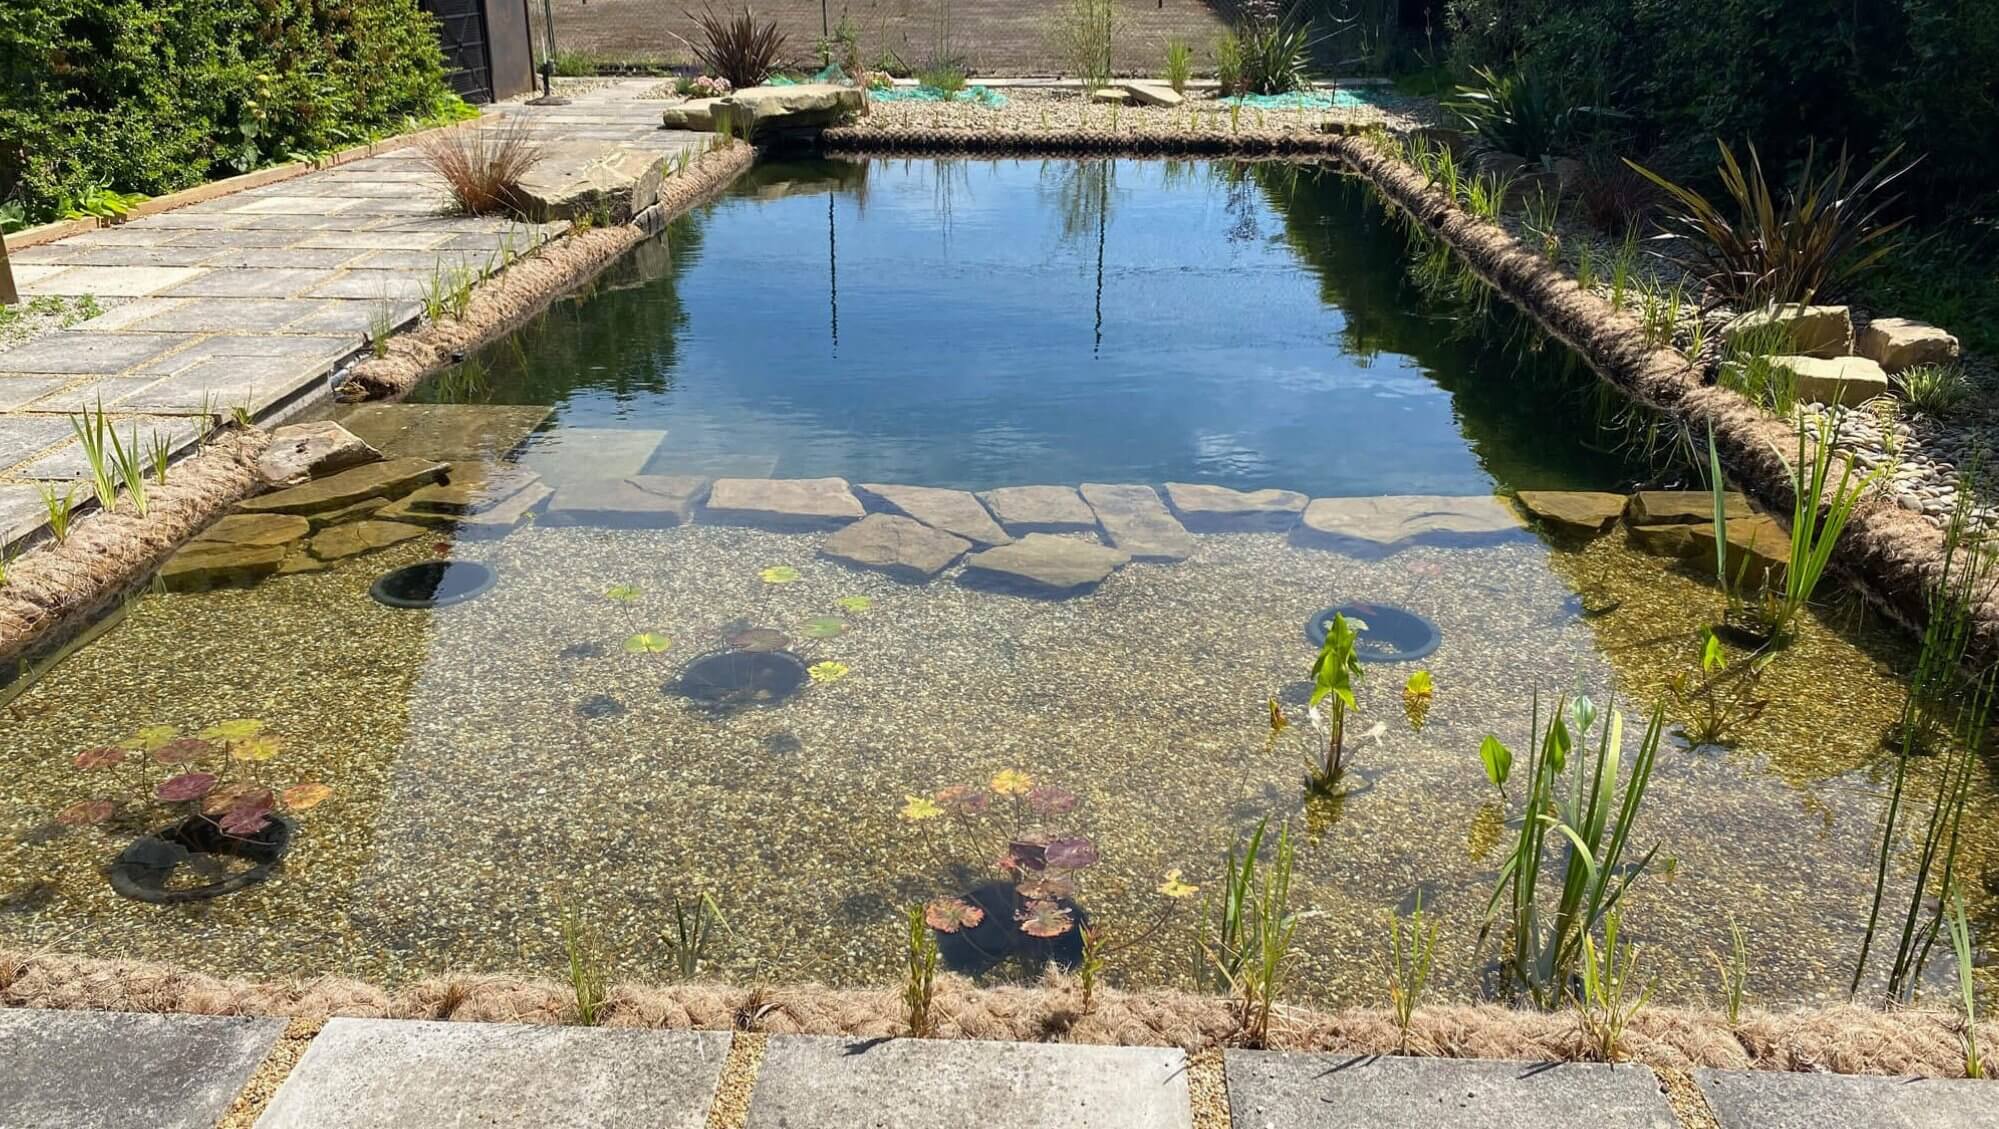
614, 714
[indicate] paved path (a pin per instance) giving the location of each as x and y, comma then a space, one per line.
108, 1070
251, 300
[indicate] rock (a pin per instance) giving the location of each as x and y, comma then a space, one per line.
451, 432
504, 518
757, 110
354, 512
903, 547
697, 114
375, 480
640, 501
1043, 564
784, 503
1675, 507
204, 565
300, 563
469, 493
955, 512
1497, 162
1759, 549
1154, 94
1568, 173
1370, 525
357, 537
1110, 95
1217, 509
1040, 509
1899, 343
1136, 521
1574, 511
311, 450
1815, 331
1674, 540
1840, 380
581, 178
255, 529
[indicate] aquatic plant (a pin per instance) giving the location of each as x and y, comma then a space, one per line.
58, 511
1412, 950
1334, 673
1250, 945
1542, 213
586, 975
1734, 972
1418, 691
824, 627
1606, 1005
779, 574
647, 643
694, 922
1718, 699
1748, 366
159, 453
130, 463
213, 775
1590, 819
827, 672
95, 434
1179, 64
1812, 536
919, 984
1967, 987
1092, 965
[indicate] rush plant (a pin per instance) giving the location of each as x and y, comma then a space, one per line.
919, 984
1412, 949
587, 978
1250, 945
694, 922
1608, 1001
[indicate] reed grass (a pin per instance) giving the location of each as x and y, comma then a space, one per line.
1412, 951
483, 167
919, 984
59, 511
1606, 1006
694, 922
94, 431
588, 979
1734, 972
1967, 987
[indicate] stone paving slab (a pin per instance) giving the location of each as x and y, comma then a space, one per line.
449, 432
587, 454
811, 1082
1275, 1090
394, 1074
1775, 1100
114, 1070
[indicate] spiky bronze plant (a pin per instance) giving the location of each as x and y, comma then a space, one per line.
738, 48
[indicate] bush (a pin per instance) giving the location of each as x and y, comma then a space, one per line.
738, 48
154, 96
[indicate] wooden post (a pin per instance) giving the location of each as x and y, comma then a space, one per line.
8, 295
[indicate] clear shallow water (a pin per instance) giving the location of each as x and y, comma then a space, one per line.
493, 764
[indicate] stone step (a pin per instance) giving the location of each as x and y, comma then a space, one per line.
1275, 1090
391, 1074
1762, 1099
1136, 521
445, 432
583, 454
117, 1070
833, 1083
1378, 526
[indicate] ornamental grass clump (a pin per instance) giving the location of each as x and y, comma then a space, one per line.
738, 48
483, 168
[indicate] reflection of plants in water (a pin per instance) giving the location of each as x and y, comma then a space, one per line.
217, 776
1718, 699
1576, 808
1245, 933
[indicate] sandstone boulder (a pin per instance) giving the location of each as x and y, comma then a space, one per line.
640, 501
955, 512
255, 529
1682, 507
1813, 331
1838, 380
1899, 343
300, 451
1574, 511
784, 503
758, 110
1154, 94
387, 479
204, 565
1218, 509
1043, 564
1379, 525
357, 537
1040, 509
697, 114
1135, 521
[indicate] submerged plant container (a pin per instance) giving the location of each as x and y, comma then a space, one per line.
145, 870
433, 584
1392, 634
739, 679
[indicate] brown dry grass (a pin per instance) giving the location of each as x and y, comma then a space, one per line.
482, 165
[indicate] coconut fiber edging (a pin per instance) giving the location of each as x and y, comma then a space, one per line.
1891, 556
507, 300
1844, 1040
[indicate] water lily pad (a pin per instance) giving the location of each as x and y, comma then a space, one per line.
255, 749
153, 736
227, 796
1046, 887
245, 820
184, 750
918, 808
1176, 887
1047, 799
647, 643
234, 730
855, 605
1045, 919
104, 756
780, 574
1012, 782
303, 797
828, 671
964, 800
623, 593
83, 813
187, 786
1071, 852
761, 640
949, 915
825, 627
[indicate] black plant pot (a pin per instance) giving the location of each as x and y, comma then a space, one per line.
997, 938
144, 868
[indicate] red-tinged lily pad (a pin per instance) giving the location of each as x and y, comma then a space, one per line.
1046, 888
104, 756
187, 786
244, 821
1071, 852
184, 750
83, 813
1045, 919
949, 915
1046, 799
300, 797
1027, 854
229, 795
964, 800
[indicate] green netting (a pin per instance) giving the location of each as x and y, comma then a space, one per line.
1342, 98
976, 95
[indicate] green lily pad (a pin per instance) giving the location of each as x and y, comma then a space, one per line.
622, 593
855, 604
647, 643
824, 627
828, 671
779, 574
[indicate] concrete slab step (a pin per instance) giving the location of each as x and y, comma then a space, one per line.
1764, 1099
391, 1074
1274, 1090
116, 1070
831, 1083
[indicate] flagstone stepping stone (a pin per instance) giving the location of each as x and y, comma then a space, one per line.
504, 518
1759, 548
118, 1070
953, 511
312, 450
579, 454
1136, 521
1044, 564
358, 537
1275, 1090
1574, 511
387, 479
1218, 509
202, 565
354, 512
470, 491
1675, 541
255, 529
1378, 525
1040, 509
903, 547
1667, 507
1777, 1099
640, 501
838, 1083
389, 1074
445, 431
783, 503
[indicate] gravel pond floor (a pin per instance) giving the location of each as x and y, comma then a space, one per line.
500, 763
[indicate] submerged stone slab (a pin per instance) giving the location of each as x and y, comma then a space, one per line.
358, 537
117, 1070
312, 450
388, 479
471, 488
1772, 1099
391, 1074
784, 503
639, 501
1389, 523
810, 1082
255, 529
445, 432
1670, 507
580, 454
1759, 548
903, 547
1675, 540
1043, 564
1274, 1090
202, 565
1040, 509
353, 512
1218, 509
1136, 521
955, 512
1816, 331
1837, 380
1899, 343
1574, 511
504, 518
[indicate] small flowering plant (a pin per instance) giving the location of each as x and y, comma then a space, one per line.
708, 86
220, 774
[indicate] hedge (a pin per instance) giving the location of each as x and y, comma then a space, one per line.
153, 96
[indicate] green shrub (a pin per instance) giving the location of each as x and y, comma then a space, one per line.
153, 96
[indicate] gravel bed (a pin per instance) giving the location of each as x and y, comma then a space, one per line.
34, 317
